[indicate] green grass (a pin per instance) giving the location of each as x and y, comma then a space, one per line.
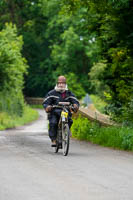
37, 106
118, 138
98, 103
7, 121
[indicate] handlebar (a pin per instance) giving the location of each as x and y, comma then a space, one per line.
64, 105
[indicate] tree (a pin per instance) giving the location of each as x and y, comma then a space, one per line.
113, 34
31, 23
12, 69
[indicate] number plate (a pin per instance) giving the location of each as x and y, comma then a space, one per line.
64, 115
63, 118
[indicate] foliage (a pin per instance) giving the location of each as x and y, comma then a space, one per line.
53, 43
120, 138
31, 24
12, 68
123, 115
12, 103
75, 86
99, 103
96, 76
72, 49
127, 114
7, 121
12, 64
113, 34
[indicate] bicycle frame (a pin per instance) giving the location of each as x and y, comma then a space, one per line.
63, 132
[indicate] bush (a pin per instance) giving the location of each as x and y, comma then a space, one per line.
11, 103
120, 138
99, 103
12, 69
121, 114
7, 121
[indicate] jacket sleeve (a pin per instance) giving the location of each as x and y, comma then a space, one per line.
47, 100
72, 99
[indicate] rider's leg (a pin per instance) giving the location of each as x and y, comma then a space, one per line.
53, 124
70, 122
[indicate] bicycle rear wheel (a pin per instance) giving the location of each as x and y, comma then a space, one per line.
65, 138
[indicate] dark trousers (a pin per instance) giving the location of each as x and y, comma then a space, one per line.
53, 124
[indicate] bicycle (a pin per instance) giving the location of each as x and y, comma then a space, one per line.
63, 131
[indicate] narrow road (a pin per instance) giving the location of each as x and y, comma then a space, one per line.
30, 170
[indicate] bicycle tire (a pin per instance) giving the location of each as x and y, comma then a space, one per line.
58, 141
56, 149
65, 138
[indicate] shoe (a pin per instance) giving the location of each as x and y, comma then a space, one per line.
53, 143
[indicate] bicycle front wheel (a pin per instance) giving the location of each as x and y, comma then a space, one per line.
57, 143
65, 138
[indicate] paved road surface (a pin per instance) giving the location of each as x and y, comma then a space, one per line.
29, 170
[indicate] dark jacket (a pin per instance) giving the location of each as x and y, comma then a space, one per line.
54, 97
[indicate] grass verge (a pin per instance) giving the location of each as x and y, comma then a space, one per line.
7, 121
118, 138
